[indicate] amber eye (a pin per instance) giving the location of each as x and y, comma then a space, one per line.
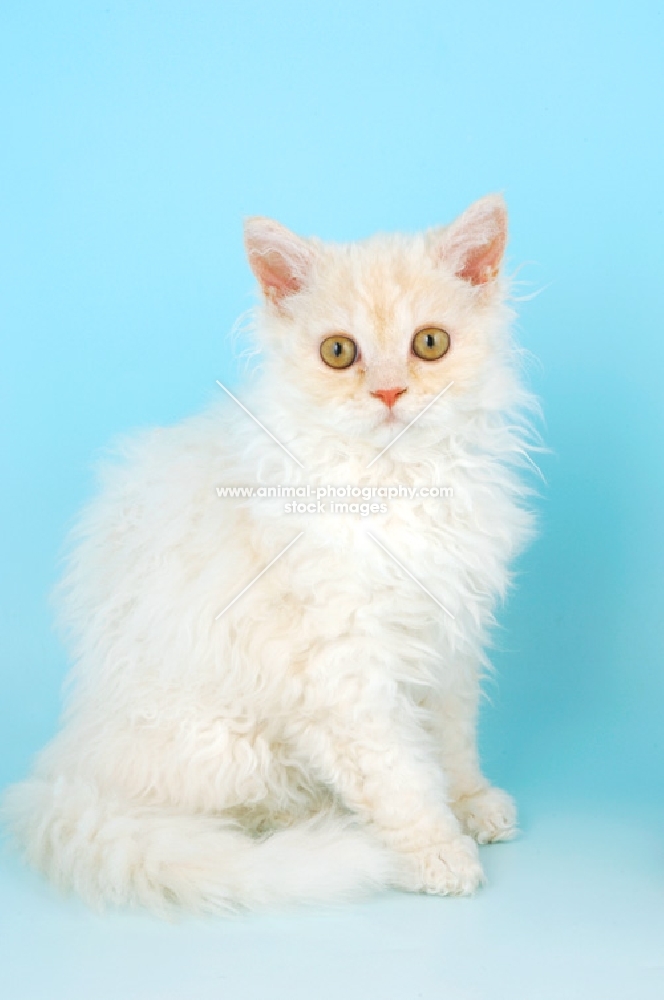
431, 343
338, 351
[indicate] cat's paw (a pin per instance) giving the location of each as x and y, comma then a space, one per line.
488, 815
449, 869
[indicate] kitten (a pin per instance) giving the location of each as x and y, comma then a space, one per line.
272, 704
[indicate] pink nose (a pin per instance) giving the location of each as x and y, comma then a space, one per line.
388, 396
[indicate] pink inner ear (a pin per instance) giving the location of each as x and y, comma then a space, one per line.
474, 243
482, 263
280, 260
274, 273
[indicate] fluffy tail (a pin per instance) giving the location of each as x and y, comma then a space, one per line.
127, 853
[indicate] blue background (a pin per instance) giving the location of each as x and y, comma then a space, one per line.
135, 137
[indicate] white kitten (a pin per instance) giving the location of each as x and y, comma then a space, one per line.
317, 738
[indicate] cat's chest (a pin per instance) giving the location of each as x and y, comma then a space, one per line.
439, 513
390, 545
389, 541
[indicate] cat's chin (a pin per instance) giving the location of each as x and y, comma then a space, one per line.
383, 429
391, 419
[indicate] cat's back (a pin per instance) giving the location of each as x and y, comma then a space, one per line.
154, 522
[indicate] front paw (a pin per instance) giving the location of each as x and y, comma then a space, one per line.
487, 815
449, 869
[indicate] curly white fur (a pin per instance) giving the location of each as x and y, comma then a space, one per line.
319, 737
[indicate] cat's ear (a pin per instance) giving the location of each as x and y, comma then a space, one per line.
474, 243
280, 260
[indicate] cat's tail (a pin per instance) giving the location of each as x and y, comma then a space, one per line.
122, 853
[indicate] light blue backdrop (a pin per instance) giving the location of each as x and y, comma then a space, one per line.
134, 138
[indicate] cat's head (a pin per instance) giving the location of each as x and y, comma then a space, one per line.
368, 333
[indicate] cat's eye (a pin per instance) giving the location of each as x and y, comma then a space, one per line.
431, 343
338, 351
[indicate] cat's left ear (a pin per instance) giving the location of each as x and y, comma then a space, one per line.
280, 260
474, 243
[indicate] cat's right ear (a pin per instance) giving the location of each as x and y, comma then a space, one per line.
280, 260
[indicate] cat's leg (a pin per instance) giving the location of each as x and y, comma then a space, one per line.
486, 813
380, 762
